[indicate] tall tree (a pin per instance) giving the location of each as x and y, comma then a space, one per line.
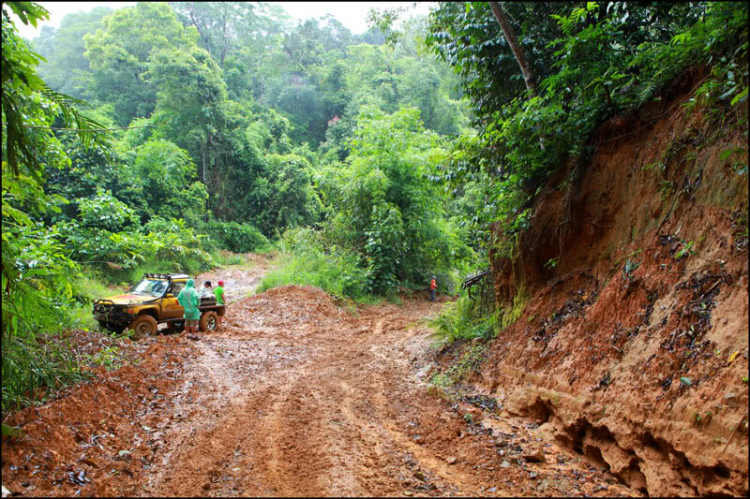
510, 35
190, 101
67, 70
119, 54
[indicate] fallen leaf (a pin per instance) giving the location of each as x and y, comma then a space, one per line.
733, 356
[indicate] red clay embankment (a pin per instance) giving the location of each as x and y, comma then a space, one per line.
634, 346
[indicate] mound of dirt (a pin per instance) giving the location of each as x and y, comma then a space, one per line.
282, 306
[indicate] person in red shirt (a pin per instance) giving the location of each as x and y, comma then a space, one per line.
433, 286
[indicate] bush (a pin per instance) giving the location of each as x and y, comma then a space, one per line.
304, 261
460, 320
167, 241
235, 237
37, 297
385, 207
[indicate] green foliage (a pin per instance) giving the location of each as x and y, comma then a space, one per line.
109, 358
36, 269
120, 52
200, 79
167, 178
591, 61
222, 258
469, 363
385, 207
66, 68
27, 100
290, 200
106, 212
305, 260
239, 238
461, 320
509, 313
686, 249
551, 263
170, 241
629, 267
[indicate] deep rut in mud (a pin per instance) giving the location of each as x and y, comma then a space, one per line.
297, 397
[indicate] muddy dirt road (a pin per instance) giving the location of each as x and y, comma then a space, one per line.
295, 396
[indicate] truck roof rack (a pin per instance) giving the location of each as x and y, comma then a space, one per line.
168, 277
157, 276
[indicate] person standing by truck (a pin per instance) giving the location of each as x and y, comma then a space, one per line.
189, 300
219, 293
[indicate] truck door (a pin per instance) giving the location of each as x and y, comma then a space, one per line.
171, 307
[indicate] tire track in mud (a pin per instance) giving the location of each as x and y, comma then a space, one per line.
315, 418
295, 397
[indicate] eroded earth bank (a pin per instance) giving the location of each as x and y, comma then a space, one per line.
633, 346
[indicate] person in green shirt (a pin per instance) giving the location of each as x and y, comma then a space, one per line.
189, 300
219, 293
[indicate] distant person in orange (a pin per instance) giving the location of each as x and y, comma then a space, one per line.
433, 286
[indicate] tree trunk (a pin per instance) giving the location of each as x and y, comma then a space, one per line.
523, 63
510, 35
226, 37
203, 33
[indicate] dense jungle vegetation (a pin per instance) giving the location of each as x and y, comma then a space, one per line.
151, 137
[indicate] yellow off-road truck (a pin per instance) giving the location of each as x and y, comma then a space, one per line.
151, 302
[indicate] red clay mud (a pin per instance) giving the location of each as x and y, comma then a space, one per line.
295, 396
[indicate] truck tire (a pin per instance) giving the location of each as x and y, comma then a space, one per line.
143, 326
208, 321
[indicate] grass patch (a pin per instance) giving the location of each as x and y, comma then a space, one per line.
223, 258
110, 358
336, 274
33, 367
460, 320
304, 261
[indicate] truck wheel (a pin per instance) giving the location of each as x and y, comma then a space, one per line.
143, 326
208, 321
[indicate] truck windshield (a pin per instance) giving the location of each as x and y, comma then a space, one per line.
149, 288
